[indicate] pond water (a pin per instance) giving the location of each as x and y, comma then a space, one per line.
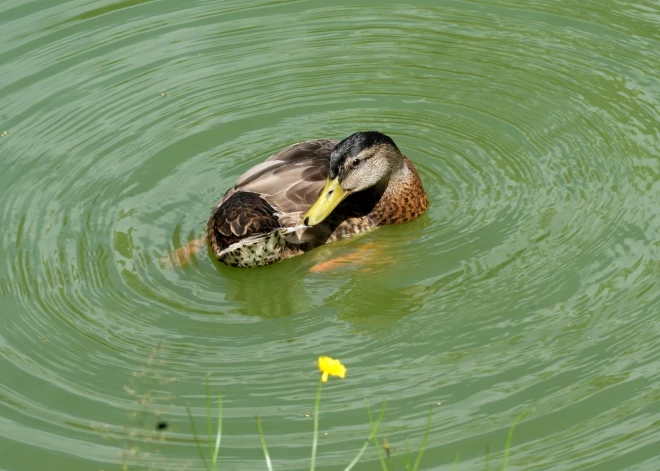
531, 286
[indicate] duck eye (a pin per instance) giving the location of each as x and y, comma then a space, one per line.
355, 162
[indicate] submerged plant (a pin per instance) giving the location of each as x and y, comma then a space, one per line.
328, 367
145, 428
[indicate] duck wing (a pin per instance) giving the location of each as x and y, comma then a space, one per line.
291, 180
271, 196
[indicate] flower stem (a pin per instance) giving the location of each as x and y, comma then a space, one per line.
316, 424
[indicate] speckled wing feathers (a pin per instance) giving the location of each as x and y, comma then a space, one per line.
241, 215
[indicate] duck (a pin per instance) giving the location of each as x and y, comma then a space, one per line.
314, 193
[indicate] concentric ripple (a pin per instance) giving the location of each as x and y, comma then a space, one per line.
531, 285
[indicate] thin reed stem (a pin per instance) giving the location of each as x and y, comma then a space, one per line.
218, 435
509, 437
209, 425
455, 465
199, 446
269, 464
374, 439
424, 440
374, 430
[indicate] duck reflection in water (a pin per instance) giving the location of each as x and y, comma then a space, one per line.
355, 281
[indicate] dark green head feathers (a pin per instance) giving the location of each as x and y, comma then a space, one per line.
353, 145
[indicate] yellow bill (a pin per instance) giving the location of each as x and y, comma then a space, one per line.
331, 196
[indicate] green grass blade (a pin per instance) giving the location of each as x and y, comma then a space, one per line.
455, 465
407, 454
269, 464
424, 440
487, 457
218, 434
374, 430
197, 442
209, 425
505, 462
374, 439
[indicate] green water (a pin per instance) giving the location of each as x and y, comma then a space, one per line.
532, 283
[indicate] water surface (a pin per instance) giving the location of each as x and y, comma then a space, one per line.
531, 285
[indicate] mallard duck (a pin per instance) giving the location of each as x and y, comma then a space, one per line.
314, 193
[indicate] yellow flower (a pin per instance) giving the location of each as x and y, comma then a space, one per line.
330, 366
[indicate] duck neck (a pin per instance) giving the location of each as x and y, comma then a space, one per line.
399, 172
403, 196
